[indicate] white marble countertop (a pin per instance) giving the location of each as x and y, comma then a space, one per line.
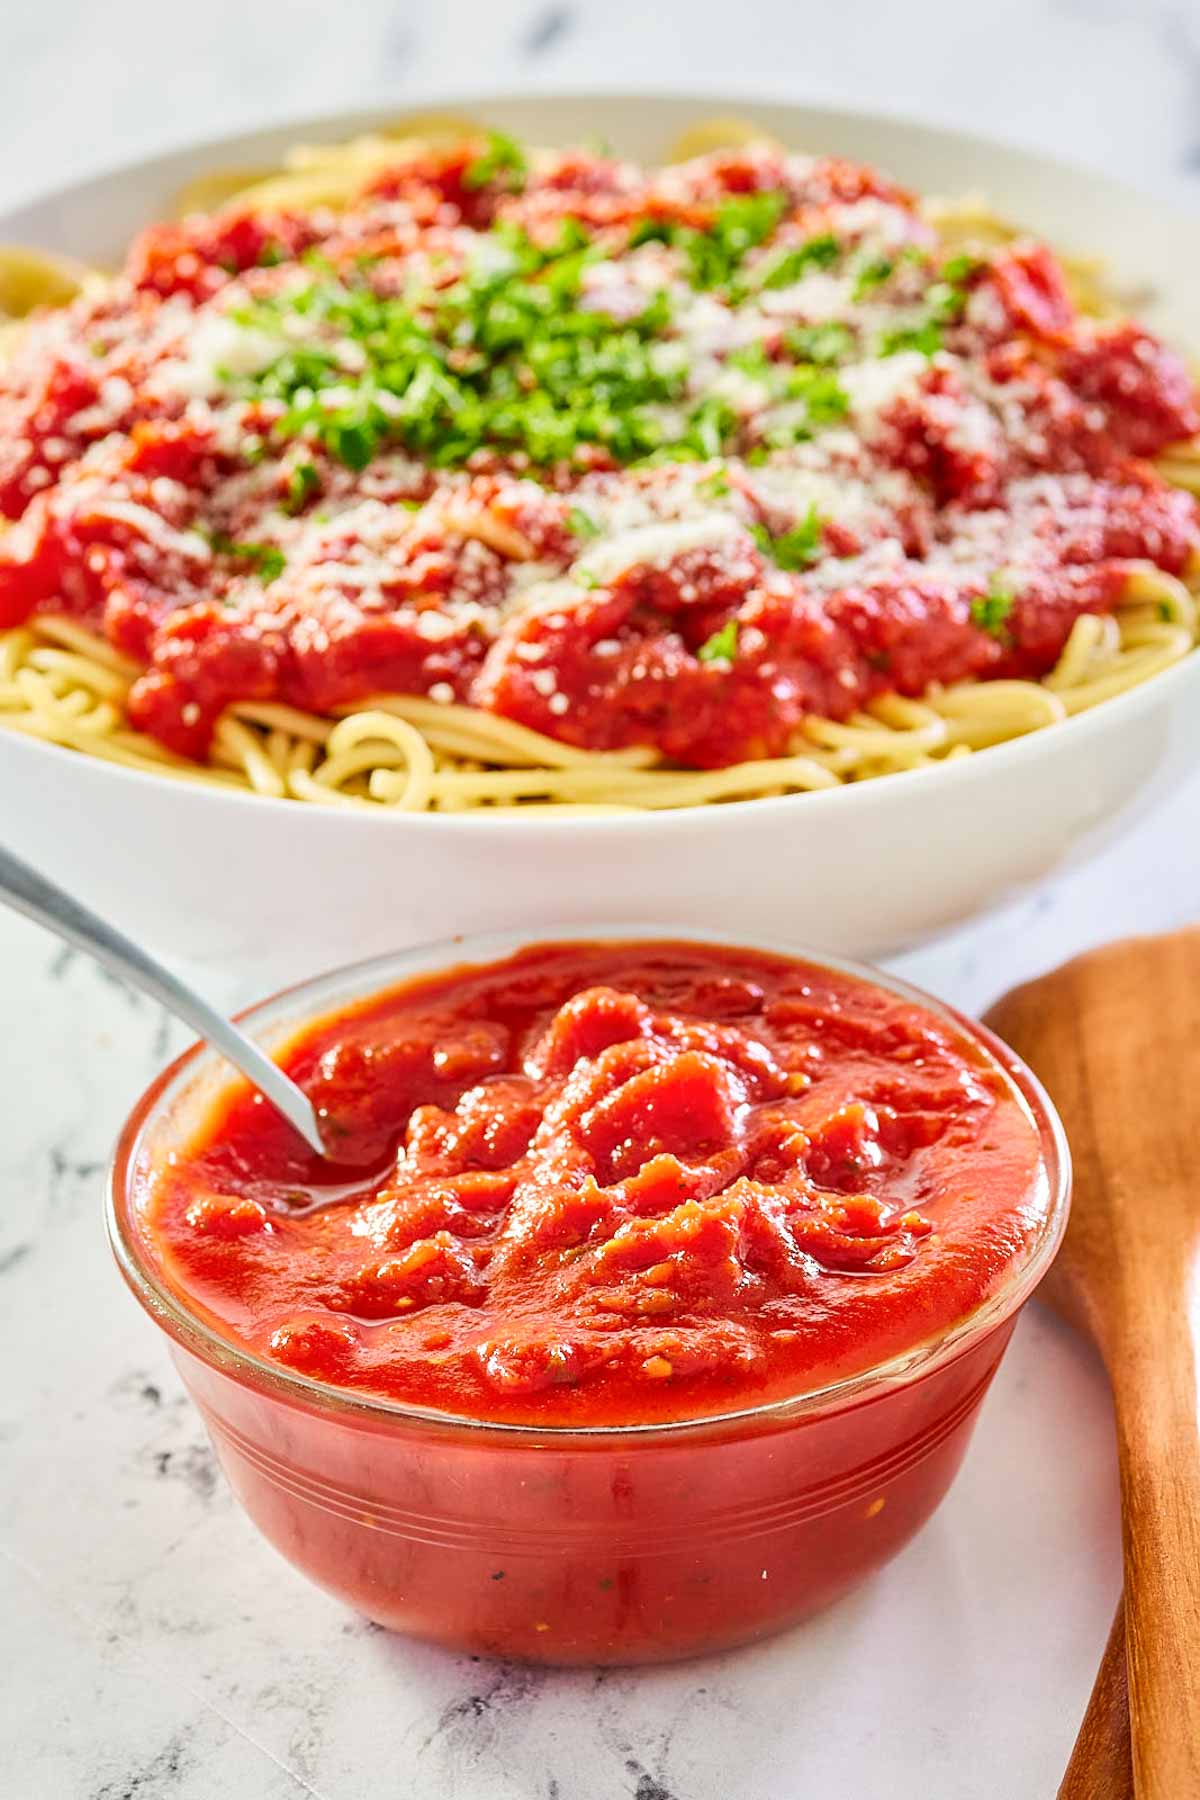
152, 1647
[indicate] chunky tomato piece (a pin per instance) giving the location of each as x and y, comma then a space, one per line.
1145, 391
914, 631
940, 434
1030, 284
38, 434
197, 256
202, 661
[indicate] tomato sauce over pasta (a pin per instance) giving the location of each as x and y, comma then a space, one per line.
668, 462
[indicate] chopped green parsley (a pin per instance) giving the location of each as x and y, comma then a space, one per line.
796, 549
959, 269
715, 486
722, 646
501, 357
502, 162
825, 345
714, 257
711, 426
303, 482
871, 275
990, 611
819, 399
753, 360
504, 356
266, 561
925, 338
788, 267
944, 303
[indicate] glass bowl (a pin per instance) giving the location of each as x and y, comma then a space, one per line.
562, 1544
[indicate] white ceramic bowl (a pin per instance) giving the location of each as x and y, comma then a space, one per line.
276, 889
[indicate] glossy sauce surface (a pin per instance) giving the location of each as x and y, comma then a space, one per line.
620, 1182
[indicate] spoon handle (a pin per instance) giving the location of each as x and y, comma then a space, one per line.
1115, 1035
30, 893
1155, 1392
1101, 1766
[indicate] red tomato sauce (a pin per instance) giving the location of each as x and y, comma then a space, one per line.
738, 466
621, 1182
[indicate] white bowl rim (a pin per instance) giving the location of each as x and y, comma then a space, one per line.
485, 820
751, 92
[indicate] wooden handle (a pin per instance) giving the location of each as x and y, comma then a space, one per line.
1115, 1036
1156, 1400
1101, 1766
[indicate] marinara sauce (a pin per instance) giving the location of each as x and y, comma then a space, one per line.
609, 1183
672, 459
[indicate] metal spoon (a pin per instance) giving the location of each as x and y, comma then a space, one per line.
30, 893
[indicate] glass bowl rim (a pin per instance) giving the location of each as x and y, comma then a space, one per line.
351, 982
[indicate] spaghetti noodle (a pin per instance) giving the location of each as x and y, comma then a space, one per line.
732, 529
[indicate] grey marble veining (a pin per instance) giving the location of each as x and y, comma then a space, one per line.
151, 1646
